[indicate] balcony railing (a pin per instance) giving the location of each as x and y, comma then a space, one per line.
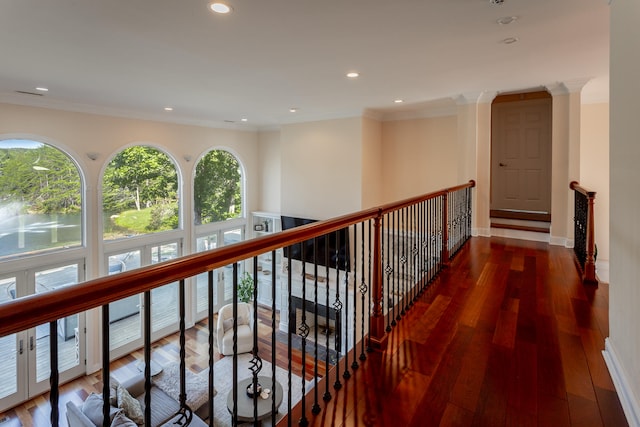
362, 273
584, 231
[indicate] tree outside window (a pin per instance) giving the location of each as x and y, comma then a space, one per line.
217, 188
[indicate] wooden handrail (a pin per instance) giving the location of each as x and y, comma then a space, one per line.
589, 268
33, 310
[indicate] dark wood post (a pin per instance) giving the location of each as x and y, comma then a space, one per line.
590, 263
377, 334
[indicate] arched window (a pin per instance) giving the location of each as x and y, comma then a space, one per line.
217, 188
139, 193
40, 198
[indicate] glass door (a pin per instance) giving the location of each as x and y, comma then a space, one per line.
125, 321
12, 354
126, 316
25, 367
222, 277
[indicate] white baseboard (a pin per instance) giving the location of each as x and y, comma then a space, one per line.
520, 234
602, 271
630, 404
558, 241
482, 232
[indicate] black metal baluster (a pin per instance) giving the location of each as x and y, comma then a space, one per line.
369, 312
346, 374
363, 291
212, 329
327, 394
304, 333
337, 306
291, 329
315, 409
106, 376
396, 259
54, 378
255, 365
394, 290
147, 357
403, 260
234, 415
354, 364
386, 248
273, 337
185, 411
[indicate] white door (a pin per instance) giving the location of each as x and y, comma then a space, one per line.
26, 367
521, 156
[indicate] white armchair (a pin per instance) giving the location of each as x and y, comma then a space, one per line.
224, 329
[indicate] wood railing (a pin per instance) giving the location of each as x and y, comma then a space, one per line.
395, 251
584, 232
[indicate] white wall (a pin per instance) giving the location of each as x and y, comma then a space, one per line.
594, 174
623, 345
321, 168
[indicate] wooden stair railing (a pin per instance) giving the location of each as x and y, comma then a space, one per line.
584, 232
416, 236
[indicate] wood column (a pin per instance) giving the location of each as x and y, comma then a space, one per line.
377, 334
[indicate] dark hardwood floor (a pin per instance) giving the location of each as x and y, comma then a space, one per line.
508, 336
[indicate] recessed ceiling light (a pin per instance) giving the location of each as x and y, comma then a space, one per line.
293, 110
42, 89
399, 101
506, 20
168, 108
510, 40
243, 119
220, 8
353, 75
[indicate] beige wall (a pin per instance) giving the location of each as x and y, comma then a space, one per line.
371, 163
419, 156
623, 344
321, 168
269, 171
594, 170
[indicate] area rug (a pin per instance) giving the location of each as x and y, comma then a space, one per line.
223, 381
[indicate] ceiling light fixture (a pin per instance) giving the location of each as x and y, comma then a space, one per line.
168, 108
220, 8
399, 101
293, 110
42, 89
353, 74
506, 20
510, 40
244, 119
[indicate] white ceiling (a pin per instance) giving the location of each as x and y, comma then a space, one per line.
134, 57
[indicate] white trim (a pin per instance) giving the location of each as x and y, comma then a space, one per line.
602, 271
558, 241
630, 404
482, 232
520, 234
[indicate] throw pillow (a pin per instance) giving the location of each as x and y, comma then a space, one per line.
131, 406
92, 408
121, 420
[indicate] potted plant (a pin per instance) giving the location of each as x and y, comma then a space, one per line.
245, 288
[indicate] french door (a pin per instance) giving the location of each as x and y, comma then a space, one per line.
126, 316
222, 277
25, 367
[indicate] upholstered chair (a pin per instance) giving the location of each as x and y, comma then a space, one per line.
224, 330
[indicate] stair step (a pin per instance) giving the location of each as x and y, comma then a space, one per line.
520, 227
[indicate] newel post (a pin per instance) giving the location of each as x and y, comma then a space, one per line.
377, 334
590, 263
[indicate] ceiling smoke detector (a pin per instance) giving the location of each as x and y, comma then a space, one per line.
498, 2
